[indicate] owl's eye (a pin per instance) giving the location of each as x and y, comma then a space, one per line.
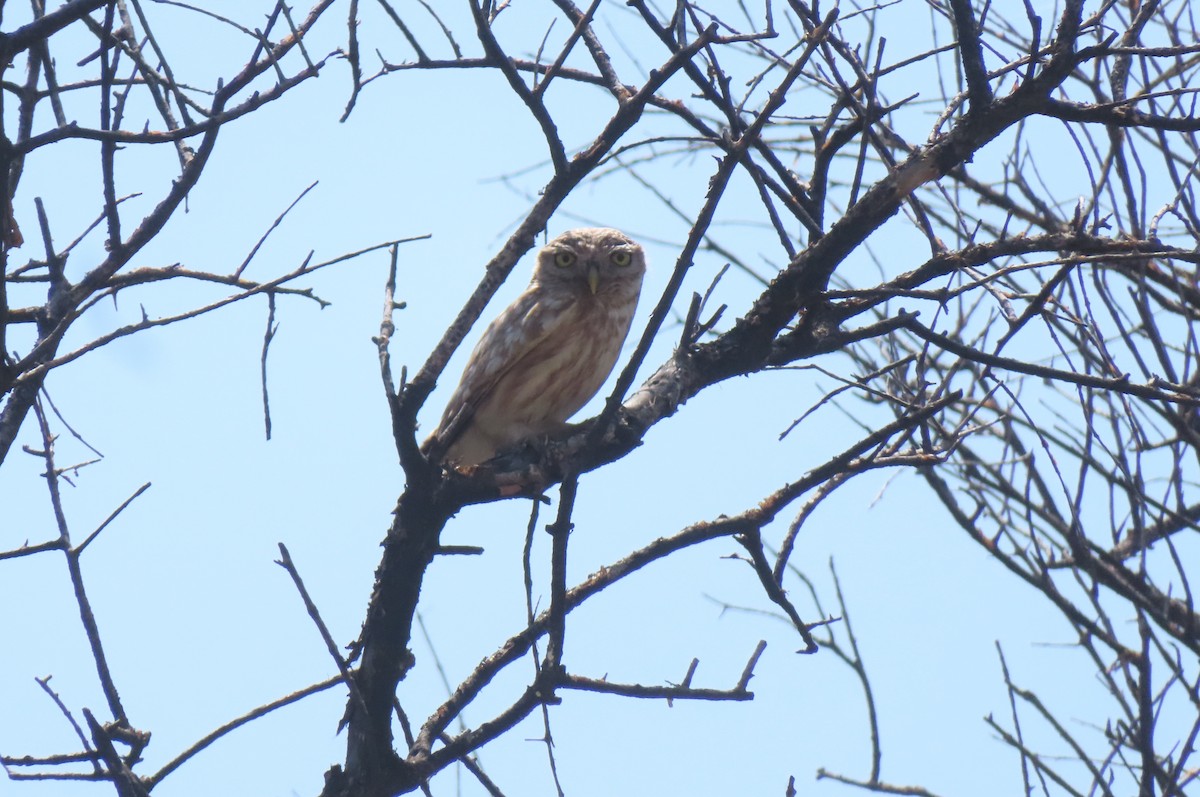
564, 259
621, 258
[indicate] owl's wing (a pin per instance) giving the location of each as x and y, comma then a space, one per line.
517, 331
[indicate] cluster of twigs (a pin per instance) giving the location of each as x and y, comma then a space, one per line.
1021, 270
1038, 368
42, 300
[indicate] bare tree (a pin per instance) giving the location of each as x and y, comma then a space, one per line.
1030, 354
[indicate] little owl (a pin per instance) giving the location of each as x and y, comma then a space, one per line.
549, 352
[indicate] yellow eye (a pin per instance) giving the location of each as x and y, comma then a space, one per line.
564, 259
621, 258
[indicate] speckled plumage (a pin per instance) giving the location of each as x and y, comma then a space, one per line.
550, 351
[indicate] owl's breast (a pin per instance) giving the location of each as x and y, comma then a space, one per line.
553, 379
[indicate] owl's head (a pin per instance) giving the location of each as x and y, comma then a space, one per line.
592, 261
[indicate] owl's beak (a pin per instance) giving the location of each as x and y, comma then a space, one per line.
593, 277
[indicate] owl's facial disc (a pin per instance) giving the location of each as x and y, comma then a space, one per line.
593, 276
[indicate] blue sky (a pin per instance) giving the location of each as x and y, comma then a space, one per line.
200, 625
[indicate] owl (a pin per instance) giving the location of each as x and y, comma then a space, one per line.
550, 350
